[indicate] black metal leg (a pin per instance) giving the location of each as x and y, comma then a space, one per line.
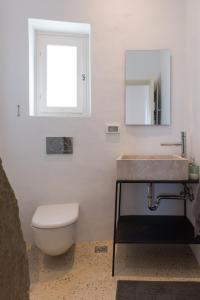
185, 208
113, 259
119, 206
115, 221
185, 201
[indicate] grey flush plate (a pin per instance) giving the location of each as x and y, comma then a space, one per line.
59, 145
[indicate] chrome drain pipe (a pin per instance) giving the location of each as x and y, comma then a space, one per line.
153, 203
150, 198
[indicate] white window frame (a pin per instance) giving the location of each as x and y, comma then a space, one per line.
38, 41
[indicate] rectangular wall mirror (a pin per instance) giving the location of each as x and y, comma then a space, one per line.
147, 86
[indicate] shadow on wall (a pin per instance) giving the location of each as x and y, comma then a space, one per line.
14, 276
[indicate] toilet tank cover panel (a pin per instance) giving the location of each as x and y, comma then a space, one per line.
54, 216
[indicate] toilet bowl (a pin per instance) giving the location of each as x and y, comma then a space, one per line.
54, 227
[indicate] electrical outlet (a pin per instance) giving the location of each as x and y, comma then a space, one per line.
112, 128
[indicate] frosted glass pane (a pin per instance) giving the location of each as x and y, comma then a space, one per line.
61, 76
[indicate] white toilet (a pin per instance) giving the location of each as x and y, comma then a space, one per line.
54, 227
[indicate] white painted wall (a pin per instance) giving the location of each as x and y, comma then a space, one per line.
88, 176
193, 54
193, 83
1, 82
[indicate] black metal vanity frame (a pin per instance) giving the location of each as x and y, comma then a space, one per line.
147, 229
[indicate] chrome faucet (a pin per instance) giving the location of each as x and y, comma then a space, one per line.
182, 144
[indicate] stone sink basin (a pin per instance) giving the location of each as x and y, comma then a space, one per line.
152, 167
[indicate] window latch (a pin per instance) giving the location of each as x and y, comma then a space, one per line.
84, 77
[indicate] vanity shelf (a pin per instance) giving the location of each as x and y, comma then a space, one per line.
148, 229
155, 230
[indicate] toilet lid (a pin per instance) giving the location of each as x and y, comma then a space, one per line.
54, 216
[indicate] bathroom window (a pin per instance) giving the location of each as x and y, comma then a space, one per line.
61, 80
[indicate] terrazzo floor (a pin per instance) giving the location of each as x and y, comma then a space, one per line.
85, 275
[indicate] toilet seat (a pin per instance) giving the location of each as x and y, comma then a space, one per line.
55, 216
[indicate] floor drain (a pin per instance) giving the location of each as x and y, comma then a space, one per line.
101, 249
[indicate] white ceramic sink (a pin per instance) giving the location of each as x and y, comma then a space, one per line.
152, 167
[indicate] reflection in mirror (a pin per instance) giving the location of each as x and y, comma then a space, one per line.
147, 87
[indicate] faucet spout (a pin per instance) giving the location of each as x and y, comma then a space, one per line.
182, 144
